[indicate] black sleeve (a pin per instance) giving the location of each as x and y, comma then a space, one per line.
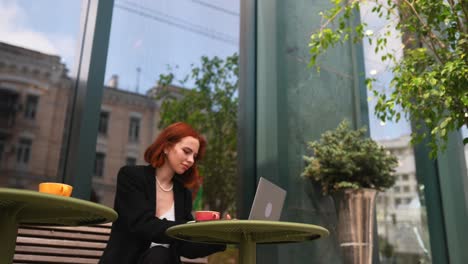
135, 212
188, 205
195, 250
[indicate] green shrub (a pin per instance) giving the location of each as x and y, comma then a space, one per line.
346, 158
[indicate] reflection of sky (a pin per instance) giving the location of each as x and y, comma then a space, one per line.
381, 72
154, 34
49, 26
145, 34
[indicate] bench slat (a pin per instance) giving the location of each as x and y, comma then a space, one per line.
47, 250
52, 259
60, 234
98, 229
59, 243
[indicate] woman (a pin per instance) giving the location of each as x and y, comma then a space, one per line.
150, 199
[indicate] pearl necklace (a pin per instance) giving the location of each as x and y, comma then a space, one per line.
162, 188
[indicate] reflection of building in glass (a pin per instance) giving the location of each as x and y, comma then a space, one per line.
34, 94
128, 124
400, 213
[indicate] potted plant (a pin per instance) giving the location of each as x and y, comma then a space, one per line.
352, 168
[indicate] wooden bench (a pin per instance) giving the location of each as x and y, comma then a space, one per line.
54, 244
47, 244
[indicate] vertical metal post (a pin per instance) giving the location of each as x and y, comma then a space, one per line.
246, 137
88, 75
427, 174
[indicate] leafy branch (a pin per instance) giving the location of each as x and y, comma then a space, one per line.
429, 84
210, 106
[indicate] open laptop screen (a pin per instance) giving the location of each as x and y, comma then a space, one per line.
268, 201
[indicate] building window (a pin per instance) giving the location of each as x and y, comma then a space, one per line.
103, 122
380, 199
2, 148
99, 164
23, 152
408, 200
406, 189
131, 161
396, 189
134, 129
30, 108
397, 201
405, 177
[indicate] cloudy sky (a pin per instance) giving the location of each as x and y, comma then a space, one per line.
375, 68
145, 34
24, 24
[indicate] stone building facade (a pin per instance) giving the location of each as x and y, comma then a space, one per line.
34, 95
34, 92
128, 124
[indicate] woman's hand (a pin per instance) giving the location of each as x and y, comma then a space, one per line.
227, 217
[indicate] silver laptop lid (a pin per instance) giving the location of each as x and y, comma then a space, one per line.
268, 201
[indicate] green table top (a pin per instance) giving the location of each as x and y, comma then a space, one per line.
234, 231
32, 207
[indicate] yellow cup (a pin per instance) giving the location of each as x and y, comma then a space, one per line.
55, 188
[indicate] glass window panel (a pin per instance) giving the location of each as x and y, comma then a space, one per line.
99, 163
131, 161
103, 121
402, 220
150, 38
134, 129
397, 202
31, 106
24, 150
37, 48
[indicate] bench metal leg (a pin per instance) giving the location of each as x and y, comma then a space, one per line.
8, 232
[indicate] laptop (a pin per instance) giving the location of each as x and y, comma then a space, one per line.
268, 201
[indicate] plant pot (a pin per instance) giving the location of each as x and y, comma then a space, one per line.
355, 213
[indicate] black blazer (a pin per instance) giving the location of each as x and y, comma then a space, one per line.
136, 227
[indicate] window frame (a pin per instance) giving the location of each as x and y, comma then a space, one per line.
99, 164
133, 159
103, 127
31, 106
23, 151
134, 129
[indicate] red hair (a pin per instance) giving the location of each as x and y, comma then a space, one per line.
170, 136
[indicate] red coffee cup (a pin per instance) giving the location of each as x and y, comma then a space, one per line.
206, 215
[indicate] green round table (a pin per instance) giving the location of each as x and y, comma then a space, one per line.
31, 207
246, 233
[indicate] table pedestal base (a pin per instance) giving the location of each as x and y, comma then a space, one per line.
8, 232
247, 251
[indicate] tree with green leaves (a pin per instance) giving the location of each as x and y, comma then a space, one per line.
430, 82
211, 108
